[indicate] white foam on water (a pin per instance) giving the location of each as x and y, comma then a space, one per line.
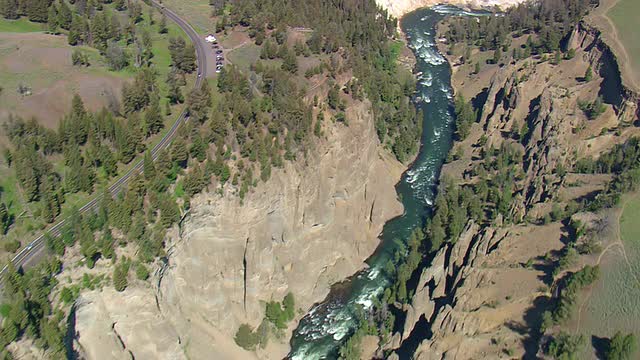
431, 57
373, 274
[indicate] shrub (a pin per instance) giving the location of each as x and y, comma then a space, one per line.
565, 346
142, 273
246, 338
621, 347
12, 246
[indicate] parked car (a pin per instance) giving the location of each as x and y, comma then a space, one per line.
218, 51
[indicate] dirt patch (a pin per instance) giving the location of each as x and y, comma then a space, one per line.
42, 63
234, 39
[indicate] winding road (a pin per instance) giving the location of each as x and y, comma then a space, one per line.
36, 249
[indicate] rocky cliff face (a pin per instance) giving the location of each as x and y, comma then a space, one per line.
310, 226
478, 298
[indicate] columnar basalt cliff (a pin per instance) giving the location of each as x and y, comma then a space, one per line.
477, 298
310, 226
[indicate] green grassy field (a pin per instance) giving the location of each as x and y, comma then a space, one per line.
197, 12
625, 15
21, 25
614, 303
244, 56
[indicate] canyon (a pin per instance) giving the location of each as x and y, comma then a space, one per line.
316, 221
310, 226
483, 294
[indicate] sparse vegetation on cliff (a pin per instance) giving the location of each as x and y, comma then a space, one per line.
276, 318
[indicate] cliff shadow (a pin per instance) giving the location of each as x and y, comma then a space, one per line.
611, 89
479, 100
421, 331
530, 327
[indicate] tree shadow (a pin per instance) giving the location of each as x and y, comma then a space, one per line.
530, 329
600, 344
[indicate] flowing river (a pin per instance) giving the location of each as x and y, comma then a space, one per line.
322, 331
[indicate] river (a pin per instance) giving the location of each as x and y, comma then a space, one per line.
321, 332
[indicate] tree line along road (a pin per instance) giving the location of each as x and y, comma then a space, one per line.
35, 250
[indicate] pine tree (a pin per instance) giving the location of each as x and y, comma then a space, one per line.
179, 153
169, 212
198, 104
120, 275
164, 164
74, 37
52, 19
120, 5
175, 94
38, 10
100, 31
588, 75
290, 62
105, 206
153, 118
621, 347
194, 181
198, 148
64, 16
497, 55
5, 219
9, 9
162, 25
148, 166
115, 32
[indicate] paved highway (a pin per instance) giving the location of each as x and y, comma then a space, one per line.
36, 249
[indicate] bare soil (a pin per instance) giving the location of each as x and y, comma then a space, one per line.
42, 62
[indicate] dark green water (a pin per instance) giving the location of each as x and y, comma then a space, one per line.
322, 331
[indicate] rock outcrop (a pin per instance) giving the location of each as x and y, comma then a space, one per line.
310, 226
475, 296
